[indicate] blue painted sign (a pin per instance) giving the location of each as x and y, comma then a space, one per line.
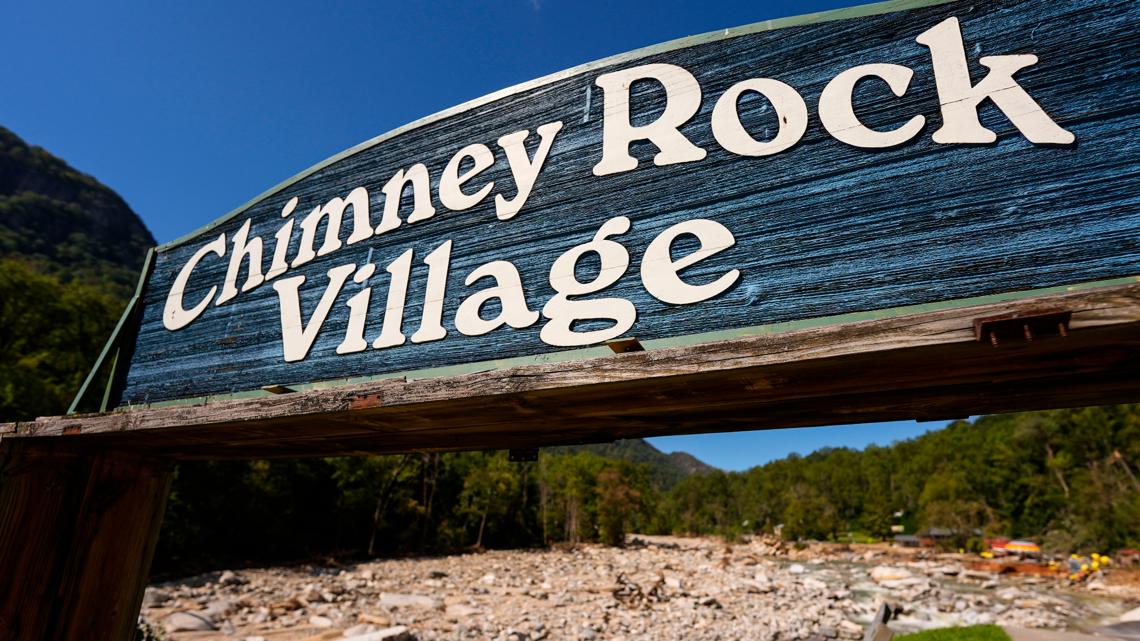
871, 158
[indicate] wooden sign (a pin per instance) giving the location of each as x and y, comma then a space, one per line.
840, 163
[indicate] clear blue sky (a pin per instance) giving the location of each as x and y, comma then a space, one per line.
189, 109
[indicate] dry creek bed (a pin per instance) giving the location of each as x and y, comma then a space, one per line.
655, 588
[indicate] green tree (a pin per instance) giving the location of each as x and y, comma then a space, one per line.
948, 502
488, 491
809, 514
51, 333
617, 499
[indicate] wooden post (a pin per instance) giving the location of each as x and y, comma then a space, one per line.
79, 528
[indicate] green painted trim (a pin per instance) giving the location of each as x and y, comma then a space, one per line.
662, 343
111, 344
859, 11
116, 335
110, 380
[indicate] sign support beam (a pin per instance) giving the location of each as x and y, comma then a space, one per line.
926, 366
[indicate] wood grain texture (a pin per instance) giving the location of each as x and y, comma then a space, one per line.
77, 535
821, 229
922, 366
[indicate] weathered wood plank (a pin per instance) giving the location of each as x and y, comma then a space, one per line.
78, 530
823, 228
926, 365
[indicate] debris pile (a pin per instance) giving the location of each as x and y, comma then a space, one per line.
655, 588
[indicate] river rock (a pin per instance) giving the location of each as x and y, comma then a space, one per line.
1008, 594
187, 622
459, 611
229, 578
882, 573
395, 633
850, 629
725, 593
154, 597
218, 608
814, 585
394, 600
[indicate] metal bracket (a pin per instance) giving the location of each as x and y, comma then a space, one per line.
278, 389
623, 345
1022, 327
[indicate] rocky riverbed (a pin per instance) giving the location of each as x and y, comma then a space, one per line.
655, 588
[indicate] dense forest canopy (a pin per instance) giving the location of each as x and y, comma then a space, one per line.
1066, 478
69, 254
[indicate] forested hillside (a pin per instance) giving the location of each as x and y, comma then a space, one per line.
70, 253
1066, 478
665, 470
65, 223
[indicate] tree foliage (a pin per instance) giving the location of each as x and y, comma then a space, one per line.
224, 513
50, 334
1066, 478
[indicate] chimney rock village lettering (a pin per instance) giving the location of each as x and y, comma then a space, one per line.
253, 261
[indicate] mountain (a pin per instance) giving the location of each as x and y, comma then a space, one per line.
688, 463
64, 223
666, 470
70, 254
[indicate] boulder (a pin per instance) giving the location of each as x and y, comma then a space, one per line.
850, 629
757, 586
882, 573
395, 633
903, 584
395, 600
459, 610
154, 597
312, 594
229, 578
218, 608
1008, 594
188, 622
814, 585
